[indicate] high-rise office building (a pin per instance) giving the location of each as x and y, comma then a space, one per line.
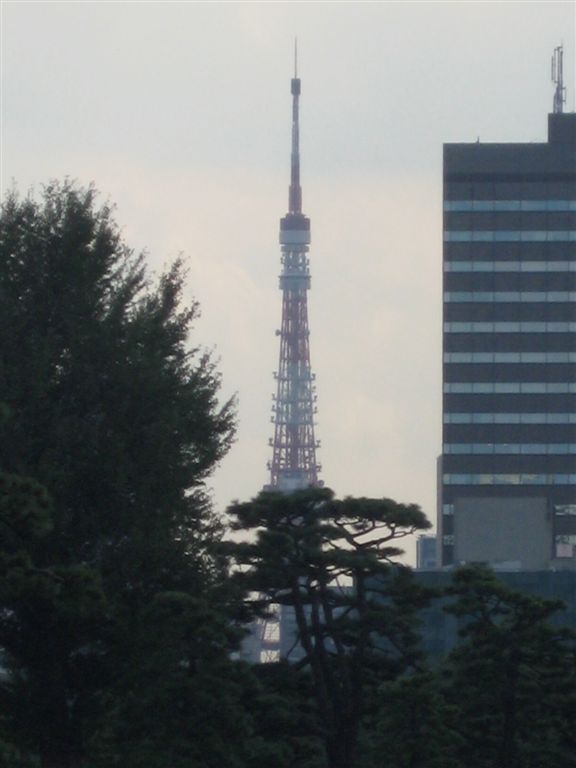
507, 485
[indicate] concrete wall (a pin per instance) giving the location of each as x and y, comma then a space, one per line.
514, 531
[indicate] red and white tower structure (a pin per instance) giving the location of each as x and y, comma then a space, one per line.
293, 465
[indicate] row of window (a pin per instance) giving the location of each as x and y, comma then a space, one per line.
565, 510
559, 509
522, 449
511, 479
510, 418
510, 327
510, 357
510, 266
510, 387
510, 235
510, 296
509, 205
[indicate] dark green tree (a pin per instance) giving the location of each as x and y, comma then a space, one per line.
66, 597
330, 562
23, 517
48, 614
118, 418
287, 731
512, 678
411, 725
181, 704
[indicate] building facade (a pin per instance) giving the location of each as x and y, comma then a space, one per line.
426, 554
507, 476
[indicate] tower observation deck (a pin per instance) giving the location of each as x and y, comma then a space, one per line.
293, 465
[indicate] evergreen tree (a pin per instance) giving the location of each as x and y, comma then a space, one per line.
330, 562
411, 726
118, 418
512, 678
286, 730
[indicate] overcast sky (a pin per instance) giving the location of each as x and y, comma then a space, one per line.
180, 114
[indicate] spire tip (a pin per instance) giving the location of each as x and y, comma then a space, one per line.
295, 57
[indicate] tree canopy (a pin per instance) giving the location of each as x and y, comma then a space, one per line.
111, 408
118, 418
512, 678
330, 562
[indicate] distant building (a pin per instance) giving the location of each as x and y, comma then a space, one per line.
439, 630
426, 552
507, 477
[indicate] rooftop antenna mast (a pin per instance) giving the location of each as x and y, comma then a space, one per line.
558, 79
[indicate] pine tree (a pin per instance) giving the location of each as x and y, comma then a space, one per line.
333, 563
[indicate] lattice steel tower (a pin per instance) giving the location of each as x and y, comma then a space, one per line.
293, 464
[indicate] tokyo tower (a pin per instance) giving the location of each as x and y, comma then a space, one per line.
293, 465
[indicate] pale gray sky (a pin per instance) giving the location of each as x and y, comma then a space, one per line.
180, 113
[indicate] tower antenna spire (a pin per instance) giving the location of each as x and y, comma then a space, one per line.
295, 192
293, 464
558, 79
295, 57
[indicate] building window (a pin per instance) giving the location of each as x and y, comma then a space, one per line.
510, 327
510, 236
522, 449
565, 546
509, 418
508, 479
510, 387
510, 266
565, 510
509, 297
510, 357
509, 205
